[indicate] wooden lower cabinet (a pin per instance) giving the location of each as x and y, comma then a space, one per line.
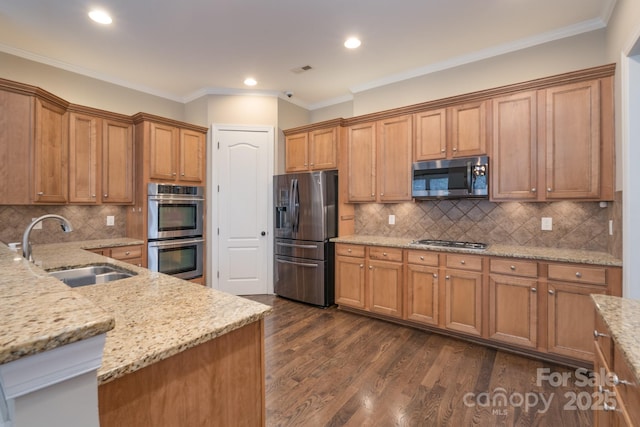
422, 294
513, 310
385, 287
350, 281
131, 254
217, 383
463, 301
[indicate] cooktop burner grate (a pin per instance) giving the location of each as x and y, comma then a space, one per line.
451, 244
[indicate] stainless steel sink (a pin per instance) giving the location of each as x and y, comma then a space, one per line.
91, 275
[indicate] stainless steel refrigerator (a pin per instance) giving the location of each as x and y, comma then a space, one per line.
306, 217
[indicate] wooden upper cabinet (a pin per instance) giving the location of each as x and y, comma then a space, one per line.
84, 154
572, 139
361, 162
430, 135
192, 156
394, 142
163, 145
117, 162
514, 160
50, 153
314, 150
469, 129
16, 135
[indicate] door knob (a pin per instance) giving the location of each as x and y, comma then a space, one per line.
264, 233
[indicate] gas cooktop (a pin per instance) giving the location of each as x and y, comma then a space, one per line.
451, 244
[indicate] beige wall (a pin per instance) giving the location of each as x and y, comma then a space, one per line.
87, 91
344, 110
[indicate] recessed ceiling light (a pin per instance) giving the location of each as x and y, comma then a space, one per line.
100, 16
352, 43
250, 81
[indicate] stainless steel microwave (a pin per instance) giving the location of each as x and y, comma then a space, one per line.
451, 179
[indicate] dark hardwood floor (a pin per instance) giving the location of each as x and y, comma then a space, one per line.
327, 367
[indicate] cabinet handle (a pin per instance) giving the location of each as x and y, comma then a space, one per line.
384, 254
608, 408
361, 266
105, 195
578, 274
534, 290
127, 253
455, 149
421, 258
435, 276
549, 189
40, 193
597, 334
617, 381
551, 292
371, 267
513, 268
462, 262
533, 190
446, 277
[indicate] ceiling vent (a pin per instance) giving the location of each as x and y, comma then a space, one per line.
301, 69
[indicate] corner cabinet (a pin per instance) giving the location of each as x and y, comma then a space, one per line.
174, 153
379, 160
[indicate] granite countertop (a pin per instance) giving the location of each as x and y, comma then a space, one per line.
622, 317
147, 317
511, 251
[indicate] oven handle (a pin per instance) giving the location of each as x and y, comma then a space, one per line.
177, 199
173, 243
302, 264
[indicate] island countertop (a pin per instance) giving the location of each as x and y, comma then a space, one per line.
147, 317
510, 251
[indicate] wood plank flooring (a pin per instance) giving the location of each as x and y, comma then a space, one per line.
327, 367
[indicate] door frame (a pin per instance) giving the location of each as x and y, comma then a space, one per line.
213, 217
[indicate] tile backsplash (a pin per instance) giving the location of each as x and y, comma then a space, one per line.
576, 225
89, 222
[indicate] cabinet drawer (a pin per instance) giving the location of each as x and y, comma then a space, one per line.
514, 267
350, 250
628, 389
422, 258
464, 262
386, 254
126, 252
603, 339
578, 273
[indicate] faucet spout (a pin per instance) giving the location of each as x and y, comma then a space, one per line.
26, 245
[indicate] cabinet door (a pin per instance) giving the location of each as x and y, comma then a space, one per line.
431, 135
469, 129
192, 156
50, 160
514, 158
385, 288
350, 282
513, 310
573, 141
361, 162
422, 294
323, 149
463, 301
394, 141
16, 137
117, 162
296, 153
570, 319
84, 153
162, 152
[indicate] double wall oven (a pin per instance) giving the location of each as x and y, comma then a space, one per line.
175, 230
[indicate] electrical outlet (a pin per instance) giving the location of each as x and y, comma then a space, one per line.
38, 226
111, 220
392, 219
547, 224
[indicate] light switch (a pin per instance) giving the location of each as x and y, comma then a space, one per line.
392, 219
111, 220
547, 224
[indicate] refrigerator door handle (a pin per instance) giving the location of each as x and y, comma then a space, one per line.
290, 245
296, 205
302, 264
291, 205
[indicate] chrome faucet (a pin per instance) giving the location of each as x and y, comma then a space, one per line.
26, 245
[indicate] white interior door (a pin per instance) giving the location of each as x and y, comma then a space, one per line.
244, 188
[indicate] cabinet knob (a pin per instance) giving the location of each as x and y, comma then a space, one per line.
306, 164
173, 174
552, 292
127, 253
455, 149
182, 174
534, 189
597, 334
105, 195
371, 267
313, 164
442, 150
608, 408
93, 196
40, 193
384, 254
373, 195
462, 262
534, 290
361, 266
349, 250
435, 276
382, 194
513, 268
549, 189
578, 274
446, 277
421, 258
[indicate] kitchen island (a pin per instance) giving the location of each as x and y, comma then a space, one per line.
175, 353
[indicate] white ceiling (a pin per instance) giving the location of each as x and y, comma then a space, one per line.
184, 49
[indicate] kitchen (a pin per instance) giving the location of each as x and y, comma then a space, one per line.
271, 111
